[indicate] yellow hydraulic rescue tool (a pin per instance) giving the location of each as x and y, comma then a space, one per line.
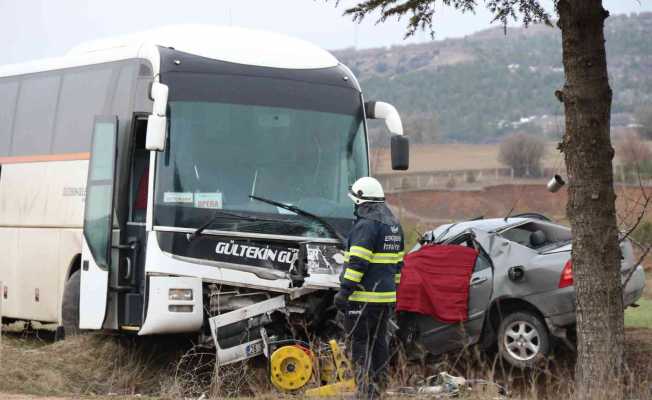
344, 375
291, 369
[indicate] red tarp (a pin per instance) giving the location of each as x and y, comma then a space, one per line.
435, 281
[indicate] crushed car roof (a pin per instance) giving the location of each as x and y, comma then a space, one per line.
487, 225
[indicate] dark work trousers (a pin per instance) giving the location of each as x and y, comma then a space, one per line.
366, 328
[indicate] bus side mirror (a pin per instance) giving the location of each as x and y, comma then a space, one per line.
400, 144
156, 133
400, 153
156, 122
158, 93
386, 111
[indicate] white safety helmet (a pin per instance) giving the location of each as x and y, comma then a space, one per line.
366, 189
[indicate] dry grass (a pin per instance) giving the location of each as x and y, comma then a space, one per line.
493, 379
196, 374
96, 366
85, 365
455, 157
7, 396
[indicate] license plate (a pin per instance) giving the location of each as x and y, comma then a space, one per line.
254, 349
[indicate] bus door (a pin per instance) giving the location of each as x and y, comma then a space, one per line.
131, 270
98, 224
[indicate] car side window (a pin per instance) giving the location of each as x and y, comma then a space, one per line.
481, 263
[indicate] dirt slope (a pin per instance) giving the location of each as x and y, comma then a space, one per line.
496, 201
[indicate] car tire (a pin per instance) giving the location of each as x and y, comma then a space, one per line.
523, 340
70, 305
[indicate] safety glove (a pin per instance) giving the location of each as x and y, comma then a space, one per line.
341, 299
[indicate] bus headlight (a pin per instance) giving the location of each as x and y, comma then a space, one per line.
180, 308
180, 294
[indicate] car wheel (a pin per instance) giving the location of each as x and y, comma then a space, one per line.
70, 305
523, 339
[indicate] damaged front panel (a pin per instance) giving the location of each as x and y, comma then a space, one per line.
251, 263
324, 265
240, 334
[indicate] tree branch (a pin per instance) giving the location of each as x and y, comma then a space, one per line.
421, 12
639, 219
646, 203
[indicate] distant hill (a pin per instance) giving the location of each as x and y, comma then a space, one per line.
481, 87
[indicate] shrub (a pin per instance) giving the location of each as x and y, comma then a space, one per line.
644, 118
643, 233
634, 155
522, 153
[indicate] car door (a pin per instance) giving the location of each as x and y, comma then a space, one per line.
480, 291
440, 337
480, 285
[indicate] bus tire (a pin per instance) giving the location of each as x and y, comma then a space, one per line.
70, 305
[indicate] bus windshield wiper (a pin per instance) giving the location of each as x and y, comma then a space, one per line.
220, 213
304, 213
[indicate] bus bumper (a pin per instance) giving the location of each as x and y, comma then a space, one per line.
174, 305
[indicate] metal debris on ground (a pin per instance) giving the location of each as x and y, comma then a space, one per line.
445, 385
202, 397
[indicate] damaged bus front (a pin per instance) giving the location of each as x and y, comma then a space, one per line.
249, 199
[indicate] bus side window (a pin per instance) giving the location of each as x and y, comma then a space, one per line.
139, 173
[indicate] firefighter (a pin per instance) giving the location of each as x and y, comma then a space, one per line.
368, 283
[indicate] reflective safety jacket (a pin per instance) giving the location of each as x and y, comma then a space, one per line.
373, 261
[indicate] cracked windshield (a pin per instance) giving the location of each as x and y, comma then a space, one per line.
221, 153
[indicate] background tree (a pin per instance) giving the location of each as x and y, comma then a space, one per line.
632, 151
634, 155
523, 153
422, 127
644, 117
588, 154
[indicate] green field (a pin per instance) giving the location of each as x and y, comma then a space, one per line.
640, 317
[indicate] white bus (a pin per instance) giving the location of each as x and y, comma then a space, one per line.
189, 179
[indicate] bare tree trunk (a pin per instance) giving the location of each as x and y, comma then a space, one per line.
591, 200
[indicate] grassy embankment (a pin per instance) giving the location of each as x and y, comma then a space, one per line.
641, 317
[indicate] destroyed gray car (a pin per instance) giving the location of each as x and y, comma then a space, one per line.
521, 295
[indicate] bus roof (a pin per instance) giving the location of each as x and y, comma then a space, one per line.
231, 44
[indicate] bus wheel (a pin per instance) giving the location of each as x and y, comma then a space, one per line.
70, 305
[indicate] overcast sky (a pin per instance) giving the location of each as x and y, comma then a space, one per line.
32, 29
